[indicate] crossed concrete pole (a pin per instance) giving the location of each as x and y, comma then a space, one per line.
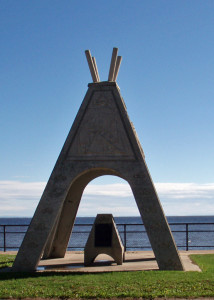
114, 66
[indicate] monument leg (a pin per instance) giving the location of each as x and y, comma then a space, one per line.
42, 225
58, 246
156, 225
49, 243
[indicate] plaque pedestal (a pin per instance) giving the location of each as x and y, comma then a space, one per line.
104, 239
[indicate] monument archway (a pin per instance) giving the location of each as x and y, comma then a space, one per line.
108, 194
58, 240
102, 141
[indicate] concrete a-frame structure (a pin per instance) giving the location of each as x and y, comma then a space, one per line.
102, 141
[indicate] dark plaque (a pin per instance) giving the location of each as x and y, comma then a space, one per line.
103, 235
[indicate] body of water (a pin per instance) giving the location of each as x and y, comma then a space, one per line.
200, 235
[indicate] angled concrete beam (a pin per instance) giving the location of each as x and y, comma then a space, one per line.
91, 65
96, 69
113, 64
117, 67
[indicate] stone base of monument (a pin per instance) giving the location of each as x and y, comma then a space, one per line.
104, 238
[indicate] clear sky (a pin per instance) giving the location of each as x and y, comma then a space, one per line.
166, 79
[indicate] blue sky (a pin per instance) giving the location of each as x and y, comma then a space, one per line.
166, 79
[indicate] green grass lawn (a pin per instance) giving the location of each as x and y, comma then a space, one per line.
147, 284
6, 260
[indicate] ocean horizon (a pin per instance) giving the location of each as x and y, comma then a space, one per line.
120, 219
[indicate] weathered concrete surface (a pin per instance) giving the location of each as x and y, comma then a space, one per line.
113, 244
102, 141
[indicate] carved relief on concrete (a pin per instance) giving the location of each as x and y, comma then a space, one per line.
101, 132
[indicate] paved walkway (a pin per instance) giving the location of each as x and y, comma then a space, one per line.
134, 261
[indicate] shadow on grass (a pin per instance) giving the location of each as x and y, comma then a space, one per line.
8, 275
4, 262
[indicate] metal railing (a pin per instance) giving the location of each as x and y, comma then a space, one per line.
134, 237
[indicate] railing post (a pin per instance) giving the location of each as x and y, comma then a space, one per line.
4, 226
187, 237
124, 237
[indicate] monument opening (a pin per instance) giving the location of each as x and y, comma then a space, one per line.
108, 194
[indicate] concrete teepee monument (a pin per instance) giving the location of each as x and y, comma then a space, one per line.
102, 141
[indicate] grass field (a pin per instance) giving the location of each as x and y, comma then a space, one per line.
146, 284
